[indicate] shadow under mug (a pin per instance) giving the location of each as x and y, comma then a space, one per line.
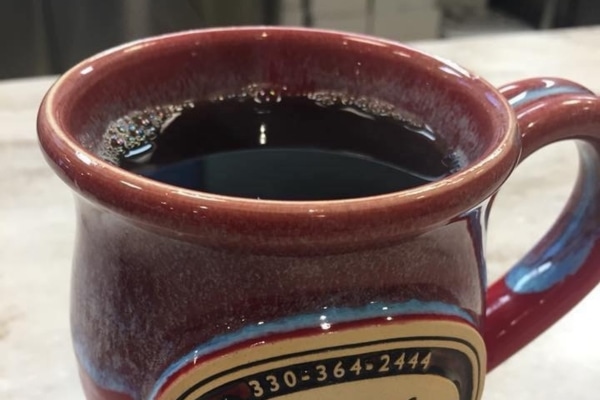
180, 294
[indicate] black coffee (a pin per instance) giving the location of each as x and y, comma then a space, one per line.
286, 148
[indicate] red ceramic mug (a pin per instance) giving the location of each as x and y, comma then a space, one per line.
179, 294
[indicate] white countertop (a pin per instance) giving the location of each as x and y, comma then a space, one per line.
37, 231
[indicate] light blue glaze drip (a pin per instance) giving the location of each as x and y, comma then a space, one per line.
569, 251
328, 317
529, 96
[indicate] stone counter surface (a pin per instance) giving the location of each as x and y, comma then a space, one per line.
37, 232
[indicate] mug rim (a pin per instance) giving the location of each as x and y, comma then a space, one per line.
418, 209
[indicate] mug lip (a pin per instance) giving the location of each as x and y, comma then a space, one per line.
420, 207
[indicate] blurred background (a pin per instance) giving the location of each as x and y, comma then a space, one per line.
39, 37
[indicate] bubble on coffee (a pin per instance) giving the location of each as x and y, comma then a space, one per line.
263, 141
133, 135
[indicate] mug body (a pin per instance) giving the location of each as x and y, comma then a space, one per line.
179, 294
147, 306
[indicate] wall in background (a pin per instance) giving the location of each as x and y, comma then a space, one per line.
48, 36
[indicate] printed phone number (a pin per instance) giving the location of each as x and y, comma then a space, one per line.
333, 371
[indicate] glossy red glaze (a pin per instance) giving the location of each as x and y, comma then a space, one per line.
159, 270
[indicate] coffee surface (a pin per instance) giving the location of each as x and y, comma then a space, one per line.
286, 148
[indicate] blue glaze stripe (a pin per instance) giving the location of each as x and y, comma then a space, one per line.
530, 96
564, 256
325, 319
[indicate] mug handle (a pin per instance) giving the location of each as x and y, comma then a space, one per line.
564, 266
